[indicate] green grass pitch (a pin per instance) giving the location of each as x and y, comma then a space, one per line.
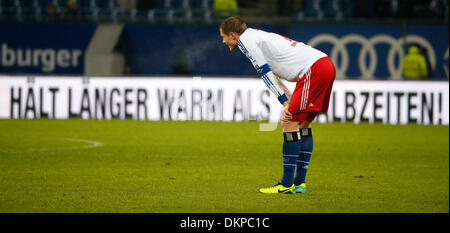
217, 167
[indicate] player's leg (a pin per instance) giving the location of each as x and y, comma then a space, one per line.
322, 75
291, 143
291, 150
306, 149
305, 115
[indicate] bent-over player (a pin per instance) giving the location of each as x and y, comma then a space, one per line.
275, 56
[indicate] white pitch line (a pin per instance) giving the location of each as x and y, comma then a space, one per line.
90, 144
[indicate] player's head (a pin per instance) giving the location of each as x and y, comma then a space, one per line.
230, 30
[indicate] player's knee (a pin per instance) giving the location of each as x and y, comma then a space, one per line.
290, 126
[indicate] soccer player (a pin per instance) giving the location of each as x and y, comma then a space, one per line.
275, 56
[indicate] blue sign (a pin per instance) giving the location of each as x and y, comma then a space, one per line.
359, 51
162, 49
44, 48
368, 50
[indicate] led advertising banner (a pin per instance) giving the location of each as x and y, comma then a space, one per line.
215, 99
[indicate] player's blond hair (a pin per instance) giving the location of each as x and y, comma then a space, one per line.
233, 24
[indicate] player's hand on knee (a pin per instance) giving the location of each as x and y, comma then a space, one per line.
286, 115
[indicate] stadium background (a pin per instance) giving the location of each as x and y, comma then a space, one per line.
163, 60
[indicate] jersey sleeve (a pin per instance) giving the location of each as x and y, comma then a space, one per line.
255, 55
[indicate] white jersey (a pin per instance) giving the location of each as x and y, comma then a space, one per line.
271, 54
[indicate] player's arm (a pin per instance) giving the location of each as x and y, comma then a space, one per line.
270, 80
284, 88
264, 71
286, 115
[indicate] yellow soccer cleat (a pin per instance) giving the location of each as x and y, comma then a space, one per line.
278, 188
